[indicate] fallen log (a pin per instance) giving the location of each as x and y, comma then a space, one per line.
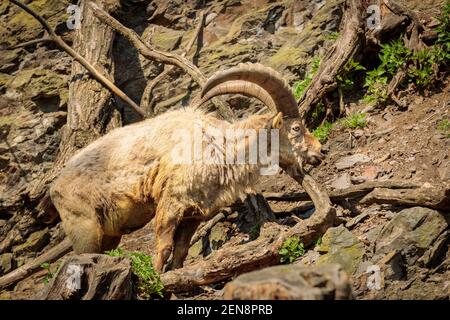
342, 194
431, 197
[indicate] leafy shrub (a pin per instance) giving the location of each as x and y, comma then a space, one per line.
346, 80
355, 120
444, 127
300, 86
332, 36
291, 249
149, 282
323, 131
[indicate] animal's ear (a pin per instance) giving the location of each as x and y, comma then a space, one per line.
277, 121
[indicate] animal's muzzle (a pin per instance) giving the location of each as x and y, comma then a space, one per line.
315, 158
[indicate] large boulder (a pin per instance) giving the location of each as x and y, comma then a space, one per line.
291, 282
413, 232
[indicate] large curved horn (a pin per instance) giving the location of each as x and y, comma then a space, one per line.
255, 80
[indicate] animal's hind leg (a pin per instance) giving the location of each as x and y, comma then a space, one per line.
168, 216
110, 242
183, 237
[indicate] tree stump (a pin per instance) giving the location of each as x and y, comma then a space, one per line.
91, 277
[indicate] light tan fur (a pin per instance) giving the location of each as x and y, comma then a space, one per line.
126, 178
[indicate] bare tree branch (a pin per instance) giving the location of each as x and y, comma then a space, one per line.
147, 95
350, 192
161, 56
64, 46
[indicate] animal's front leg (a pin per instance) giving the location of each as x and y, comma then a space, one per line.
167, 221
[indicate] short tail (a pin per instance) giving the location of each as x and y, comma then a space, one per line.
28, 269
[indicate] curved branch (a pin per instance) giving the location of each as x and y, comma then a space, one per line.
64, 46
145, 100
231, 261
161, 56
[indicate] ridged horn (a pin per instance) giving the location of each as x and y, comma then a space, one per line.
255, 80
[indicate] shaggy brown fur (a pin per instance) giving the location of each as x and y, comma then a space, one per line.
128, 177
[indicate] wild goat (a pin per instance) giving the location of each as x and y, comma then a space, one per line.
121, 181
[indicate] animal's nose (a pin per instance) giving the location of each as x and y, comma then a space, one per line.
316, 159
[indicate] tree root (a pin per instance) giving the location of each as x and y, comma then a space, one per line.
228, 262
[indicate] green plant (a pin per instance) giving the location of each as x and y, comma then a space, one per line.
323, 131
300, 86
392, 56
149, 281
420, 66
318, 111
254, 231
318, 241
291, 249
346, 80
423, 69
332, 36
355, 120
50, 273
443, 31
444, 127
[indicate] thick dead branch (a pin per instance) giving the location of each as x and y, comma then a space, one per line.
203, 230
161, 56
334, 62
26, 270
390, 24
64, 46
403, 11
342, 194
147, 95
431, 197
231, 261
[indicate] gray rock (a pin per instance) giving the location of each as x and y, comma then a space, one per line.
351, 161
444, 172
340, 246
218, 235
291, 282
412, 231
341, 182
6, 263
35, 242
359, 218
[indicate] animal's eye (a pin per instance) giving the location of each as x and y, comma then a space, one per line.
296, 128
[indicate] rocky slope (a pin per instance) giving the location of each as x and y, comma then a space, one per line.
409, 245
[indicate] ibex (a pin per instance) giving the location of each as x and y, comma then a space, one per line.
124, 179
